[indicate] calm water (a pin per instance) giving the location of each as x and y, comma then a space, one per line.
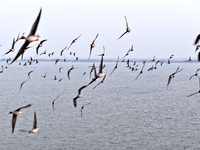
123, 114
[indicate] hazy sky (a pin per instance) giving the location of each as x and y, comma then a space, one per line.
159, 27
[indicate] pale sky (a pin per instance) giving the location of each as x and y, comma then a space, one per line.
159, 27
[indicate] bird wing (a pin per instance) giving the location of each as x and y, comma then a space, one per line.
126, 22
100, 82
68, 73
94, 79
7, 52
90, 50
35, 24
101, 65
169, 80
14, 119
122, 34
95, 38
193, 94
24, 106
74, 101
13, 43
37, 48
197, 39
34, 121
115, 65
112, 70
191, 77
43, 41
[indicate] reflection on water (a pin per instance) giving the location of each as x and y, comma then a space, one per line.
123, 114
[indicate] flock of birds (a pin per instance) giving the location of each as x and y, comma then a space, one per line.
32, 37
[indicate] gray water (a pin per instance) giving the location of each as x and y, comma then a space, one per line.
123, 114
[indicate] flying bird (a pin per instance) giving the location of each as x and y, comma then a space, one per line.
127, 29
173, 75
55, 78
56, 61
92, 69
35, 129
116, 66
170, 59
74, 41
45, 75
79, 95
23, 84
15, 113
101, 73
92, 45
153, 58
68, 73
84, 107
54, 101
31, 37
2, 69
60, 69
195, 92
141, 71
43, 53
190, 59
12, 48
40, 45
95, 78
29, 73
196, 74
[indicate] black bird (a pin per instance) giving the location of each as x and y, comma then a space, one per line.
32, 33
92, 46
79, 95
15, 113
127, 29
